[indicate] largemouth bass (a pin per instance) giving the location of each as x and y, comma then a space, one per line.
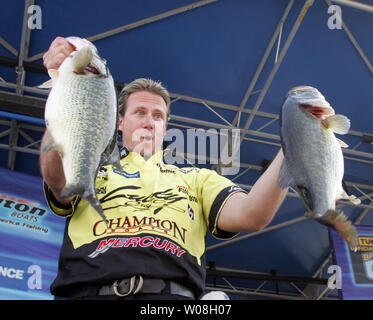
81, 117
313, 158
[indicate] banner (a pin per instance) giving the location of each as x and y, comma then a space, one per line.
30, 238
356, 267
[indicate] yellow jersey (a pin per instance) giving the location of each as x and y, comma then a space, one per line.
158, 215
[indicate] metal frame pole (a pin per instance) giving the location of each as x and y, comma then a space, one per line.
23, 49
283, 52
353, 40
355, 4
139, 23
8, 46
263, 61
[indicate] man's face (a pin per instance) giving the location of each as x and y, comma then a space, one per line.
144, 123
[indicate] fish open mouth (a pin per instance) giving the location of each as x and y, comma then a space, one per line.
317, 112
92, 69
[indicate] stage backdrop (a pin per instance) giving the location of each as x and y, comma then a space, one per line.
30, 238
356, 267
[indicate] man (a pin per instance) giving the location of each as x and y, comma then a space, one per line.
158, 214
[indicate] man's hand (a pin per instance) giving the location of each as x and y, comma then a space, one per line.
58, 51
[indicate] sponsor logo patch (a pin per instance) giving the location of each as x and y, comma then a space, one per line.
126, 174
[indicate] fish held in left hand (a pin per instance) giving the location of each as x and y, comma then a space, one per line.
313, 158
81, 117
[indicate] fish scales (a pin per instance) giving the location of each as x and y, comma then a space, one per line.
80, 106
81, 117
313, 158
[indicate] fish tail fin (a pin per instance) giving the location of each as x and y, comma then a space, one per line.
81, 59
96, 204
338, 123
338, 221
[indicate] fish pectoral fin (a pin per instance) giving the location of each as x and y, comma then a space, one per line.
344, 194
355, 200
47, 84
338, 123
351, 198
81, 59
53, 73
342, 143
285, 179
306, 197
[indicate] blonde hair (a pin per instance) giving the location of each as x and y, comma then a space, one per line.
143, 84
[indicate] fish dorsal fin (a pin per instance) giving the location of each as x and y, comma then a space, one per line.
342, 143
338, 123
53, 73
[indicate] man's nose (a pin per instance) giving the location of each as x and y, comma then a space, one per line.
149, 122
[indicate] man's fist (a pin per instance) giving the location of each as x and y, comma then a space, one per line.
59, 49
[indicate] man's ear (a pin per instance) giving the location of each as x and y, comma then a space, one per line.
120, 123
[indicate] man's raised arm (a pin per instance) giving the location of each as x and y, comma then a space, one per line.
253, 211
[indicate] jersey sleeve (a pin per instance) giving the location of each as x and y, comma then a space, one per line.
215, 190
58, 208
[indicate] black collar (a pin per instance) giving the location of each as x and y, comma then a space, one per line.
124, 152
